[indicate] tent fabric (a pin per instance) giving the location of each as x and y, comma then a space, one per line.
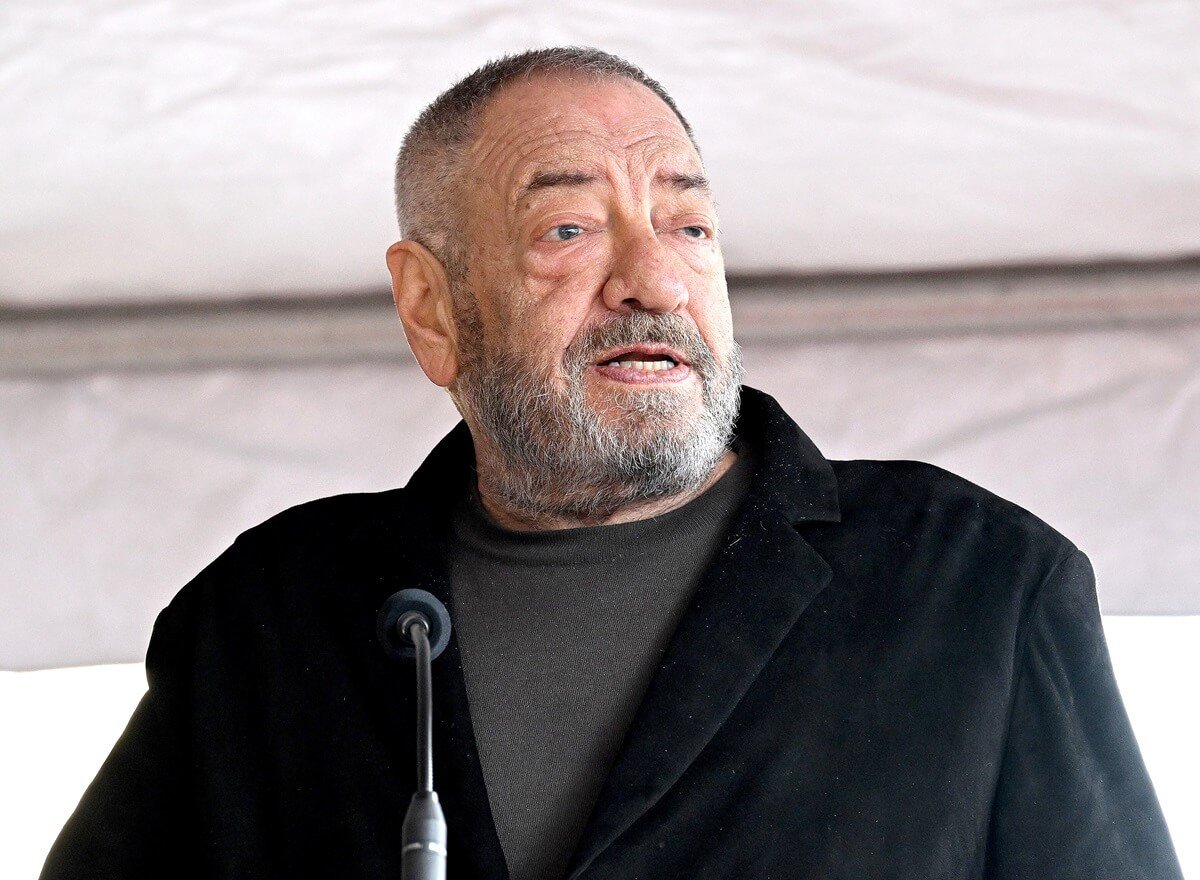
224, 149
122, 486
157, 155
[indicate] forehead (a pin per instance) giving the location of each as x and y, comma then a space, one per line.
550, 124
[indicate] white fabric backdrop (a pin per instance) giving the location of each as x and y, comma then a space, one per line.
223, 148
119, 488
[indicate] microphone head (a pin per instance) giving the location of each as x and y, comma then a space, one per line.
396, 645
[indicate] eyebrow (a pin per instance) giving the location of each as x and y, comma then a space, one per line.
677, 181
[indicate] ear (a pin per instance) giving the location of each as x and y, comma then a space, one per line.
421, 290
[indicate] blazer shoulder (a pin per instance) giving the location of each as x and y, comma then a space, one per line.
289, 550
919, 493
328, 520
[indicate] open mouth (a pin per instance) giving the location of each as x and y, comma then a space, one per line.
645, 358
643, 365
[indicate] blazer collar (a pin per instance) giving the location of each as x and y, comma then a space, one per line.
760, 582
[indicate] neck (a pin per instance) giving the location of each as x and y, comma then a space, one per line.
520, 520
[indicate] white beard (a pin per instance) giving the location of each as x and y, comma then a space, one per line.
559, 457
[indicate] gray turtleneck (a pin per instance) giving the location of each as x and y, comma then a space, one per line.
560, 632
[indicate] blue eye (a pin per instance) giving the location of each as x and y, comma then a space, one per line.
703, 231
566, 226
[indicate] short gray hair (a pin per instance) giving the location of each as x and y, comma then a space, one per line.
430, 166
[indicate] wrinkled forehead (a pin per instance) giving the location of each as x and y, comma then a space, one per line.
539, 131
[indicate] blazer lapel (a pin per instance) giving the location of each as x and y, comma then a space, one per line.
760, 582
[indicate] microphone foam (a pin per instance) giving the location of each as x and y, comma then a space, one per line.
397, 646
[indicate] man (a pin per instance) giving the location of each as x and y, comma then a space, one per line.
685, 644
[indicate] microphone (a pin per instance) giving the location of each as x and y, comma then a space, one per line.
414, 624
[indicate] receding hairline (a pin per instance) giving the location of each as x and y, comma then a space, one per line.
537, 174
434, 162
562, 171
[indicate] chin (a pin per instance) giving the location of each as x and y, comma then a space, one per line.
649, 405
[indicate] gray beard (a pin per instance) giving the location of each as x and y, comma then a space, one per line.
558, 458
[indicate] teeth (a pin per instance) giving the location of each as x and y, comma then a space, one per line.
649, 366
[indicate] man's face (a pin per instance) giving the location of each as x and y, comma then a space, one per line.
600, 337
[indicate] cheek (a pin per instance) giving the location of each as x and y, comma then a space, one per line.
715, 322
538, 341
554, 313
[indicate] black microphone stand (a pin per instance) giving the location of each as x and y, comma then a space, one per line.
423, 835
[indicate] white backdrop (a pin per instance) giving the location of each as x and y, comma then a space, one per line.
185, 151
121, 487
221, 148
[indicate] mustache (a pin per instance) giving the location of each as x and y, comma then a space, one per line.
636, 328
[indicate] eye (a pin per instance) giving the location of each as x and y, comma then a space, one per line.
554, 229
703, 232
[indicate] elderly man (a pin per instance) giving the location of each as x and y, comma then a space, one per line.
685, 644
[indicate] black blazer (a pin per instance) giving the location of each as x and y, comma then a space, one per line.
888, 672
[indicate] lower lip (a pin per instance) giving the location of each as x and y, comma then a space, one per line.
630, 376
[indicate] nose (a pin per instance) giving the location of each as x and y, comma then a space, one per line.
645, 276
